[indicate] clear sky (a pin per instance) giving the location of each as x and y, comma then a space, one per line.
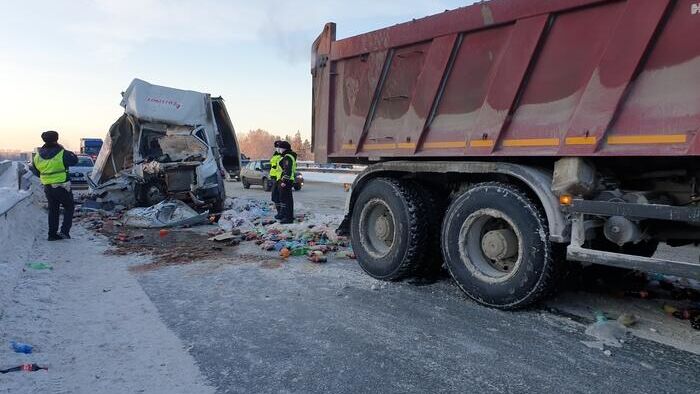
63, 63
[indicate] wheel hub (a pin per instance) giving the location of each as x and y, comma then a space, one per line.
381, 226
500, 244
490, 246
378, 228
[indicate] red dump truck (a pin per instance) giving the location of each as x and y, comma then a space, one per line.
506, 137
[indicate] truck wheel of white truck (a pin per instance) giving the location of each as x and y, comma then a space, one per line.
387, 229
495, 242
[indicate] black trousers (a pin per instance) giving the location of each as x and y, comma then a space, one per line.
286, 202
57, 197
276, 193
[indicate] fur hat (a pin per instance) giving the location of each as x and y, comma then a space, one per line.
284, 145
50, 137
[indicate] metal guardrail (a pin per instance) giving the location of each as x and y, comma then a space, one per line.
23, 182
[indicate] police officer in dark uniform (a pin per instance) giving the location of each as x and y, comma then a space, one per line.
276, 175
286, 183
51, 164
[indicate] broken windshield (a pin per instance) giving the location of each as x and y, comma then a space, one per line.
171, 144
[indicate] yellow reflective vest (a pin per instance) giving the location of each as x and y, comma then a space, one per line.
51, 171
275, 169
293, 174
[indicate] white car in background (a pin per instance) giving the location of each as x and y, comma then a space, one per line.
79, 173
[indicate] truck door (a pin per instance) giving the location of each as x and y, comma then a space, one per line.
228, 144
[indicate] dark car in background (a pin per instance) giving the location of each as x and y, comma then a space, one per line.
79, 173
257, 172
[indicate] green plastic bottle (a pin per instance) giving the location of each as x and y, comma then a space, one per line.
39, 266
300, 251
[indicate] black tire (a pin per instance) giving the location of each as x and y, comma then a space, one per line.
516, 280
403, 223
267, 186
435, 205
245, 183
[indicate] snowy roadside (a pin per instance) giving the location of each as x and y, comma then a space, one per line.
9, 190
89, 320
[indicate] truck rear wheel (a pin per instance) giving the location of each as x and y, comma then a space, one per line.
496, 245
387, 229
436, 204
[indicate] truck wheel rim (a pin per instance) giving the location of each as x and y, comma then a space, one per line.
490, 245
377, 228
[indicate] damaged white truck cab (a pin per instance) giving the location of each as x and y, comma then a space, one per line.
169, 143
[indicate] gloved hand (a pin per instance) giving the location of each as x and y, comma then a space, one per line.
283, 185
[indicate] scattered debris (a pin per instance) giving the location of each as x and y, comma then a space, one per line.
311, 235
345, 254
695, 323
23, 368
169, 213
39, 266
179, 247
317, 256
223, 237
284, 253
607, 332
627, 319
20, 347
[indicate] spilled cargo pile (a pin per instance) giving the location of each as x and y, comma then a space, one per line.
143, 231
310, 235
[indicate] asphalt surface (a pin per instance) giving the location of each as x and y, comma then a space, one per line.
319, 197
255, 324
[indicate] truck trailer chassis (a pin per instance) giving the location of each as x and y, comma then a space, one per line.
505, 137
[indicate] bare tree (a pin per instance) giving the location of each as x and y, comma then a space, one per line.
257, 144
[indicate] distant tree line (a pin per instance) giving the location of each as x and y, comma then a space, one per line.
258, 144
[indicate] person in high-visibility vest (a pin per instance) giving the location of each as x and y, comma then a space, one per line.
289, 172
275, 176
51, 165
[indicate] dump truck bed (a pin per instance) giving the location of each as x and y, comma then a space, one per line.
514, 78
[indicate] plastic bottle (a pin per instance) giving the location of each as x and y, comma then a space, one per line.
607, 331
20, 347
300, 251
39, 266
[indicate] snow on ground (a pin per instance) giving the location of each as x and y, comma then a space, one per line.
9, 191
329, 177
88, 319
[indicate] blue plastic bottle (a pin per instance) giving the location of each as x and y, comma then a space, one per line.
20, 347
